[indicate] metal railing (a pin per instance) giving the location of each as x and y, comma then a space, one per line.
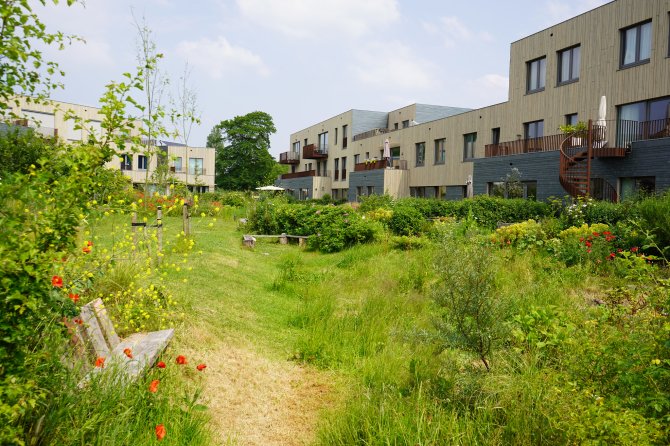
289, 157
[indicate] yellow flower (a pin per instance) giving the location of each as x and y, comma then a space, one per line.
656, 361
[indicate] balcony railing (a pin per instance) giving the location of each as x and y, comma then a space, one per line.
312, 151
370, 165
519, 146
303, 174
370, 133
289, 158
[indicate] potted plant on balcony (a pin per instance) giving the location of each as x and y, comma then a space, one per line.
577, 131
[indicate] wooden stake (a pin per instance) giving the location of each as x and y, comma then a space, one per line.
134, 229
186, 220
159, 225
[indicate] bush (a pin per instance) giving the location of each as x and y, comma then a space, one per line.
520, 235
655, 219
373, 202
406, 220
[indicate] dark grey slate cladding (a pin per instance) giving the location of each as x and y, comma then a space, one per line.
647, 158
429, 192
427, 113
296, 184
362, 121
366, 178
454, 193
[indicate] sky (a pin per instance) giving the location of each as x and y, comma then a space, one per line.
303, 61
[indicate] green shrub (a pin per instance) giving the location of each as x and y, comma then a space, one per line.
520, 235
407, 243
655, 219
373, 202
406, 220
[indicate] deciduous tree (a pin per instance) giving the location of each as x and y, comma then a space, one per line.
243, 161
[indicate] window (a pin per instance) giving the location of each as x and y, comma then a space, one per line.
417, 192
513, 189
126, 162
469, 140
335, 135
357, 159
344, 168
440, 151
654, 112
359, 191
177, 164
337, 169
634, 186
636, 44
495, 135
344, 136
195, 166
537, 74
395, 126
323, 142
534, 129
367, 155
569, 61
571, 119
405, 124
296, 147
420, 153
371, 190
141, 162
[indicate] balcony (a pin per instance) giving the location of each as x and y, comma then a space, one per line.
519, 146
370, 165
289, 158
305, 174
314, 152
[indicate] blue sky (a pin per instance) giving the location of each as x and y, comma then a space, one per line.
303, 61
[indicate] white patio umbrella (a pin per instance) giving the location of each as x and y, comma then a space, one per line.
601, 130
387, 151
274, 188
469, 189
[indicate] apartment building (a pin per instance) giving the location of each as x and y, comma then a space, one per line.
608, 67
193, 166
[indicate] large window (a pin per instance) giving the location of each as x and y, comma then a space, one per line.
296, 147
126, 162
195, 166
654, 113
357, 158
440, 151
634, 186
495, 135
344, 168
534, 129
420, 153
141, 162
323, 142
537, 75
337, 169
469, 140
344, 136
569, 61
571, 119
177, 164
636, 44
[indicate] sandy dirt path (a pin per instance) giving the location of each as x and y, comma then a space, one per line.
256, 401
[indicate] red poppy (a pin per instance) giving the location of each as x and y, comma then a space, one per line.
181, 360
57, 281
74, 297
86, 249
128, 352
160, 432
588, 251
596, 234
160, 365
78, 321
612, 256
634, 249
588, 244
153, 387
201, 367
607, 233
100, 362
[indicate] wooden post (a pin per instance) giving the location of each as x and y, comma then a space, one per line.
283, 239
134, 229
301, 241
159, 226
186, 220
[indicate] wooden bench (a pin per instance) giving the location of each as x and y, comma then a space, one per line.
94, 334
250, 240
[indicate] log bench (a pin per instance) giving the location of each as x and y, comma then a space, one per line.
95, 335
250, 240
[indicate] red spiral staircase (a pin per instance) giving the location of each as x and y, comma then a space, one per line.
577, 151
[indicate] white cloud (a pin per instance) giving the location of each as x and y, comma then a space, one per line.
453, 31
315, 18
394, 65
218, 57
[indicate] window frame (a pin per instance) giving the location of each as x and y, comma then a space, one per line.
529, 69
533, 124
571, 75
472, 145
420, 148
126, 161
440, 151
638, 44
141, 158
